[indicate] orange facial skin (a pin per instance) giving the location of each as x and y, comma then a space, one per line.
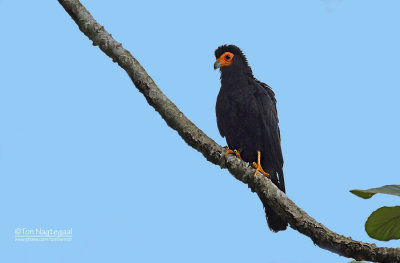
225, 59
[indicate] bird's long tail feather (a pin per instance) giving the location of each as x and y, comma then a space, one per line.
275, 222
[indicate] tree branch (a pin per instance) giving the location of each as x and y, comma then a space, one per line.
214, 153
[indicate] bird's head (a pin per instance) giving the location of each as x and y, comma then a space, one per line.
229, 57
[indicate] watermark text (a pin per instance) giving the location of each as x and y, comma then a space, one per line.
39, 234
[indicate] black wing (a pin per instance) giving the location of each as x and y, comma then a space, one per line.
272, 140
221, 106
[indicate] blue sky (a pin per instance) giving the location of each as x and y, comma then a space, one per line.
80, 148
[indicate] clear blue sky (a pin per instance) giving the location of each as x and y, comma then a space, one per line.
80, 147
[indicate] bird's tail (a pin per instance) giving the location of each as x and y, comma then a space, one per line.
275, 222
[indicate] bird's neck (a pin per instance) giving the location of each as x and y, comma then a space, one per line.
233, 79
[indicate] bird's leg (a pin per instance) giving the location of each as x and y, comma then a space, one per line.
258, 165
229, 151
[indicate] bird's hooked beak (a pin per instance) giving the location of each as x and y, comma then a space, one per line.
224, 60
217, 64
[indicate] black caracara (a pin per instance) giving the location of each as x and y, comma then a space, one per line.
248, 119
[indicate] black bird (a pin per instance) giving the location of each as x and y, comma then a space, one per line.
248, 119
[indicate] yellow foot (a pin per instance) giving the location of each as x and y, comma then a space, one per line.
236, 152
258, 166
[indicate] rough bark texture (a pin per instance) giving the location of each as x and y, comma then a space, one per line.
297, 218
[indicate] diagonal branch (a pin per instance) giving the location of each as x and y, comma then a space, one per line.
214, 153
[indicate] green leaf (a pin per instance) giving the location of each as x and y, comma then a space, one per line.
392, 189
384, 223
362, 193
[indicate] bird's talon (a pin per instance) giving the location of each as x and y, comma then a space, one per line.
228, 151
236, 152
259, 169
258, 166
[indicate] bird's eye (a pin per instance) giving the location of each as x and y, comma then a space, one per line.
227, 57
